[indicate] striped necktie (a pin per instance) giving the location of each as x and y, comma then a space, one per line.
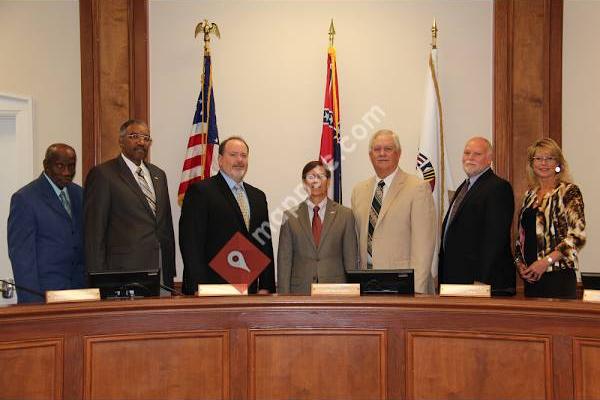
65, 202
146, 189
373, 215
243, 203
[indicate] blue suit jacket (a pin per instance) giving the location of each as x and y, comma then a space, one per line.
45, 245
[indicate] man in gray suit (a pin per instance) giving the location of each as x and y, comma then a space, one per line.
128, 224
317, 241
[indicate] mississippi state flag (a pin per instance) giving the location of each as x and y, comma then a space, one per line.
330, 152
204, 136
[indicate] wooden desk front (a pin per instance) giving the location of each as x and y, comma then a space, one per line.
271, 347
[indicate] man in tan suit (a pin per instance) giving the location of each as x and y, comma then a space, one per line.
394, 215
317, 241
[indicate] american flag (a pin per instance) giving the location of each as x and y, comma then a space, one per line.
204, 135
330, 152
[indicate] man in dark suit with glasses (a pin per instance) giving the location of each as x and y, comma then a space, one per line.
128, 224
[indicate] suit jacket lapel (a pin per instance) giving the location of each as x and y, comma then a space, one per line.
456, 192
127, 176
393, 191
472, 191
50, 197
330, 214
304, 222
75, 205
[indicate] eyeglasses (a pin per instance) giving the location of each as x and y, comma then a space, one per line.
137, 136
544, 159
312, 177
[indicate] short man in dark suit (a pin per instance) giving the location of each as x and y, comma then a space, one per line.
476, 230
214, 210
45, 238
128, 223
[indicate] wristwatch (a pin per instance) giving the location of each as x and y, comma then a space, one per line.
550, 261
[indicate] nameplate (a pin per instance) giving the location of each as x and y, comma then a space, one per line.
223, 290
335, 289
447, 289
61, 296
592, 296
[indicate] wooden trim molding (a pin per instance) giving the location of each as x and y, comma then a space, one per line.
114, 73
527, 81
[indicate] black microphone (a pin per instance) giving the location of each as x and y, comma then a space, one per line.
172, 290
25, 289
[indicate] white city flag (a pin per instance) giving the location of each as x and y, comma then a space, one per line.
432, 152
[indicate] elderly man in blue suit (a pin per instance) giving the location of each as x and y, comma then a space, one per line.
45, 239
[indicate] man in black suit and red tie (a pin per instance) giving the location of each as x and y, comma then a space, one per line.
214, 210
476, 230
128, 223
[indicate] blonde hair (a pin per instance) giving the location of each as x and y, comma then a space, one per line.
552, 147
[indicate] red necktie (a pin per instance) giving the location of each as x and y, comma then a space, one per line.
316, 226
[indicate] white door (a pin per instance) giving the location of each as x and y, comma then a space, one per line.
16, 156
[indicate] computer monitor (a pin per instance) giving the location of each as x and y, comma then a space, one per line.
126, 284
590, 280
384, 281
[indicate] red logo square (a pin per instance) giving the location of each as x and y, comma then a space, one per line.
239, 261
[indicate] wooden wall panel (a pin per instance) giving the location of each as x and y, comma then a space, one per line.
31, 369
461, 365
586, 368
527, 81
114, 73
180, 365
320, 364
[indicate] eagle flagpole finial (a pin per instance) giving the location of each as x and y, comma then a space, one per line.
207, 28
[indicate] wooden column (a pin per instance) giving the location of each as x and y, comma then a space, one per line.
527, 82
114, 73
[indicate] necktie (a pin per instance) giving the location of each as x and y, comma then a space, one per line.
373, 215
458, 200
65, 202
317, 225
146, 189
242, 202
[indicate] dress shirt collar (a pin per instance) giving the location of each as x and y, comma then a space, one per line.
388, 179
322, 207
230, 182
56, 189
473, 179
131, 165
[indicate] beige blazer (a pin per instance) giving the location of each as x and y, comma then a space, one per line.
300, 262
404, 236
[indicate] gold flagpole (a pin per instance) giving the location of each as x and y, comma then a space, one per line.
434, 35
207, 28
331, 33
434, 31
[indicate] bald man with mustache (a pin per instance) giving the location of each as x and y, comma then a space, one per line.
475, 246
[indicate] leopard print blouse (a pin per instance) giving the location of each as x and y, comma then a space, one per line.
560, 224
